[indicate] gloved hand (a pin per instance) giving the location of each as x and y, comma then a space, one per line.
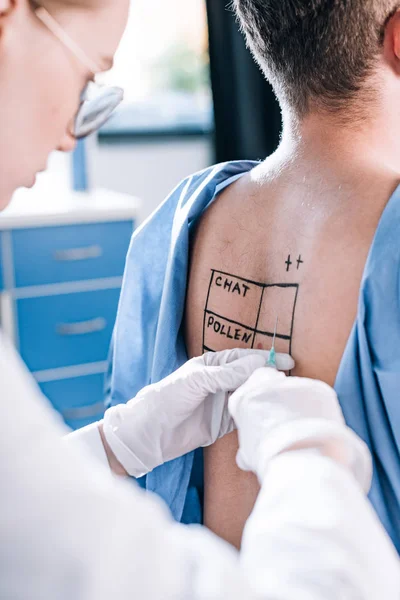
185, 411
275, 414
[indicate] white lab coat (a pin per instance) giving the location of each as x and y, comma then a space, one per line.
69, 531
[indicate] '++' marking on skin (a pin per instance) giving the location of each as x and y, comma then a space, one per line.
299, 262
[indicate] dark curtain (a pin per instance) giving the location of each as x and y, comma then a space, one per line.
247, 116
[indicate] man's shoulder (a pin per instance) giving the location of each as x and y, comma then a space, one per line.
212, 178
192, 196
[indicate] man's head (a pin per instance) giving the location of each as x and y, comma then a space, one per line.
41, 80
320, 53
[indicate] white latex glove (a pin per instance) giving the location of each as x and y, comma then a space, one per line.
275, 413
184, 411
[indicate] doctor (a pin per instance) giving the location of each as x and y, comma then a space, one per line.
70, 530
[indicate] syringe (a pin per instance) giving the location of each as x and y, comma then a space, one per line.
271, 362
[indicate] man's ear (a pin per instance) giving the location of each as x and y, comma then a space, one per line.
5, 7
392, 42
7, 10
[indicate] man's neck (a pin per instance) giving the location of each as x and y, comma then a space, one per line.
324, 155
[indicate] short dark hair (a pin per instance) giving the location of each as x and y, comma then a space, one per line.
315, 52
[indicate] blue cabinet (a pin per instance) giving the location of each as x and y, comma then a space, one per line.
60, 280
78, 399
57, 254
66, 329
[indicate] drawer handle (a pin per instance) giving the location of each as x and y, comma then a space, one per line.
84, 412
75, 254
82, 328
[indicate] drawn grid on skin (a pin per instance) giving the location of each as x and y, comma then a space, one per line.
255, 330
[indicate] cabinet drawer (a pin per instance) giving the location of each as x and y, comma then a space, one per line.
70, 253
66, 330
79, 400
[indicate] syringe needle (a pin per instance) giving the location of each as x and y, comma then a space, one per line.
271, 362
275, 330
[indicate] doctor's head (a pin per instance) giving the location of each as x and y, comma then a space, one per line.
337, 57
47, 58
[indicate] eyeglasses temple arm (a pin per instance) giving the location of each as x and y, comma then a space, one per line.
65, 39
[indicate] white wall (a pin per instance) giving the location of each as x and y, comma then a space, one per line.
148, 169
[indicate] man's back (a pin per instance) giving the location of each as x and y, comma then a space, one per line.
281, 244
289, 241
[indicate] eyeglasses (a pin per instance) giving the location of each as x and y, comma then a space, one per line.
97, 101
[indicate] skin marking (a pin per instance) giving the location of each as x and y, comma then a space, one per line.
228, 324
299, 262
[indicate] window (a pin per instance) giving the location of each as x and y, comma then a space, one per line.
163, 66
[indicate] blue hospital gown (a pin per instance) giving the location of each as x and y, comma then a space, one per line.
148, 341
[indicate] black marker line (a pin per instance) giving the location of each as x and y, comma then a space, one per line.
208, 296
207, 349
270, 334
292, 326
264, 285
282, 285
258, 317
267, 333
279, 336
211, 312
